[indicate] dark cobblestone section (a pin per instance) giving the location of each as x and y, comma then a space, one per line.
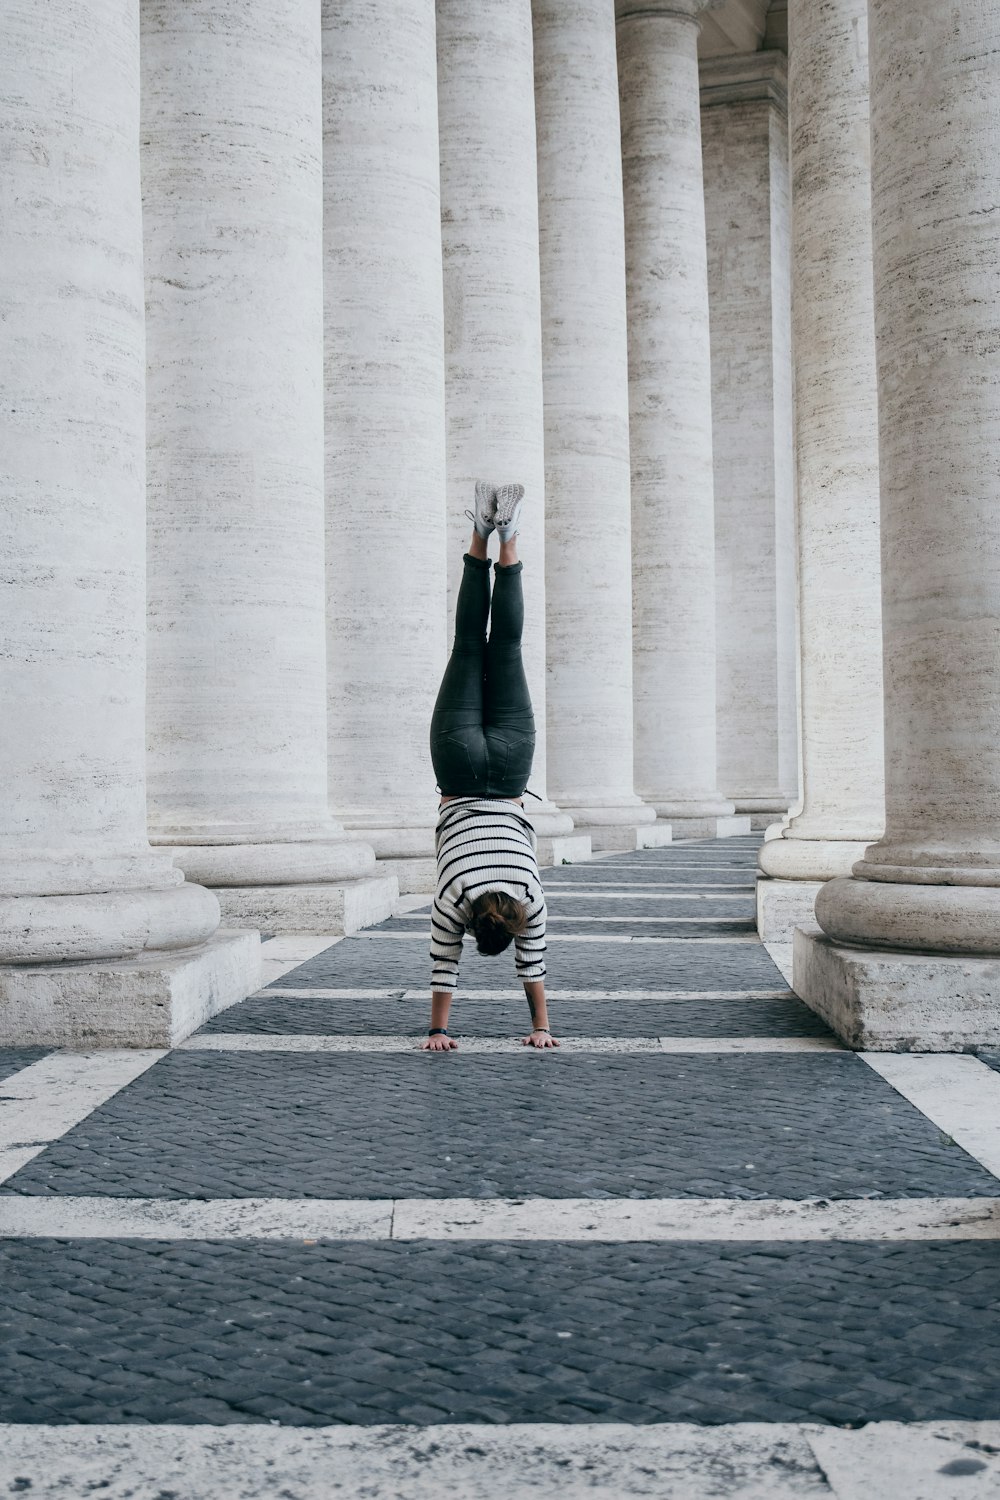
431, 1333
383, 962
220, 1125
621, 878
653, 904
607, 927
634, 1017
13, 1059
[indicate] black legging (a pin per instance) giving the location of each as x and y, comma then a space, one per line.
483, 729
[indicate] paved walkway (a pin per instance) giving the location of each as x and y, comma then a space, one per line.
700, 1251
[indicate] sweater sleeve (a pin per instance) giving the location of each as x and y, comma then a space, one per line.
530, 945
447, 932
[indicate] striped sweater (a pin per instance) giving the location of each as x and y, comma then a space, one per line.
484, 845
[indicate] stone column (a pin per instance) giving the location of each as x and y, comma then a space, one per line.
493, 339
89, 913
744, 130
837, 463
588, 582
673, 538
232, 186
385, 469
923, 908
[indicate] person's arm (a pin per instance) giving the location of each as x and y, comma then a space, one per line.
440, 1010
541, 1036
447, 932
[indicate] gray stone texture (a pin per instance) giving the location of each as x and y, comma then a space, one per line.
514, 1125
433, 1334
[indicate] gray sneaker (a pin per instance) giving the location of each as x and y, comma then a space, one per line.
482, 516
507, 511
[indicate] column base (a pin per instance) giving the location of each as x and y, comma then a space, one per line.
563, 849
335, 908
762, 811
790, 858
878, 1000
626, 838
783, 905
710, 828
153, 1001
415, 876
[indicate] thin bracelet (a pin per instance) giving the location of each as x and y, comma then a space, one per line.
542, 1028
439, 1031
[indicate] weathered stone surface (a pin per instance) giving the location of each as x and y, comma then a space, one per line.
933, 882
333, 906
836, 444
744, 131
385, 438
588, 585
885, 1001
783, 905
153, 1001
233, 227
670, 401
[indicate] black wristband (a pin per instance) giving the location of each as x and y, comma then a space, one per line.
439, 1031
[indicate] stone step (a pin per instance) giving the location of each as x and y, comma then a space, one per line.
626, 838
337, 907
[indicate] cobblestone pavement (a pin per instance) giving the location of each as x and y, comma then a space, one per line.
110, 1344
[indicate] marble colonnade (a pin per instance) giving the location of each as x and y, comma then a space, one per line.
911, 955
744, 131
837, 462
101, 938
385, 438
492, 312
588, 585
233, 229
673, 554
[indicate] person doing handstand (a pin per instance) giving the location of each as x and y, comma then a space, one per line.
482, 744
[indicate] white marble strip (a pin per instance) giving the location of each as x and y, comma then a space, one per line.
256, 1041
518, 994
959, 1093
555, 916
603, 1220
40, 1103
514, 1461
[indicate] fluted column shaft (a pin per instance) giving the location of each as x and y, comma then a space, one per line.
744, 126
933, 881
673, 546
78, 879
493, 341
385, 459
232, 181
588, 585
836, 447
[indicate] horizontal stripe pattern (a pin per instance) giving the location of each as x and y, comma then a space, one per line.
484, 844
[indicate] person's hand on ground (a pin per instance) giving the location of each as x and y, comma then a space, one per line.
439, 1044
539, 1039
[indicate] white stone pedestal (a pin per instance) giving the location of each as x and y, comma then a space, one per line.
563, 849
783, 905
887, 1001
415, 875
709, 827
153, 1001
626, 838
338, 908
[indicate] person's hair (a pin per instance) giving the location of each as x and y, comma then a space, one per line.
496, 919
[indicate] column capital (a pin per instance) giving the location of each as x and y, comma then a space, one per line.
675, 10
747, 77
